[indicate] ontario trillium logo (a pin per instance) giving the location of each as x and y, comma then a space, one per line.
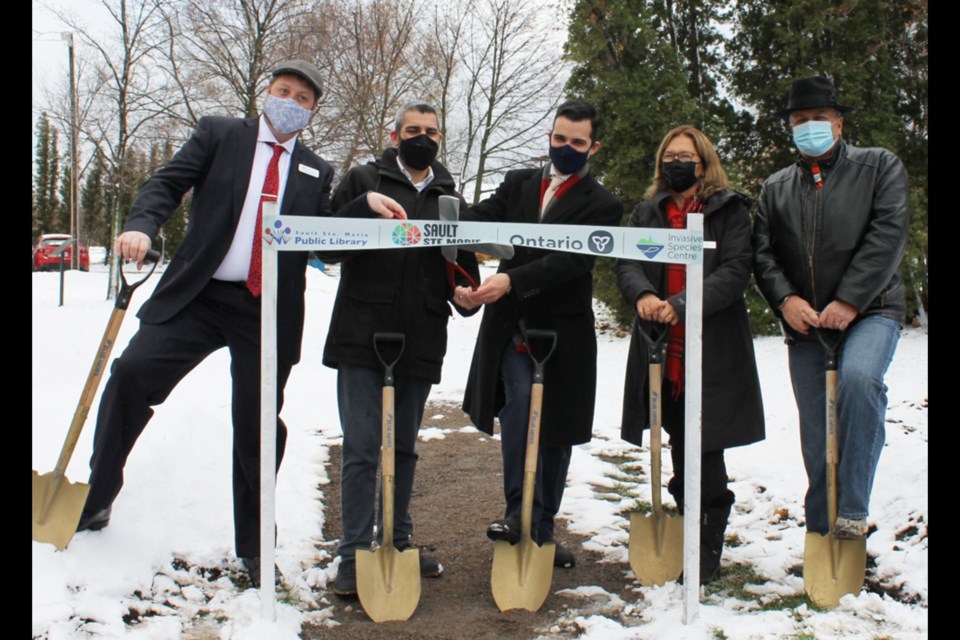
406, 234
279, 233
600, 242
649, 247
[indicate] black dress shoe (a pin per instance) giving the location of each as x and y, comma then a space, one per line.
252, 565
563, 557
94, 521
430, 567
507, 529
345, 584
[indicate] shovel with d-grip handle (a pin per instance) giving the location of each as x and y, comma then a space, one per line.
832, 567
57, 502
522, 572
388, 580
656, 540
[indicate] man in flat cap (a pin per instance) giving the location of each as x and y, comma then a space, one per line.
209, 295
828, 238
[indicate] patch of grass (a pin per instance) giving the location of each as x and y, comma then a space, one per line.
620, 460
288, 595
718, 633
625, 490
732, 540
619, 475
791, 602
638, 506
732, 581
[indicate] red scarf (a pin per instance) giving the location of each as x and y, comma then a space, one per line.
677, 282
562, 189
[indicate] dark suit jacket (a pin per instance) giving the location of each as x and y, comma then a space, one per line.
216, 162
550, 290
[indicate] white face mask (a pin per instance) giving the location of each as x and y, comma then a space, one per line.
285, 114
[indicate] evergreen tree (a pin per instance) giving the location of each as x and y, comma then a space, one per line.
93, 206
633, 61
876, 54
62, 216
46, 179
176, 226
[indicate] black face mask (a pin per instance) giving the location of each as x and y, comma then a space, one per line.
679, 175
418, 152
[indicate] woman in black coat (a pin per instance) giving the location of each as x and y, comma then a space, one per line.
690, 179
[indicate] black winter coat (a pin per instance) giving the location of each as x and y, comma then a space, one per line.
395, 290
550, 290
732, 408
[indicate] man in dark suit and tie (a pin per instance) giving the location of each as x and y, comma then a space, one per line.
544, 290
208, 298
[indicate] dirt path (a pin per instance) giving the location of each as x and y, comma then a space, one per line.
457, 492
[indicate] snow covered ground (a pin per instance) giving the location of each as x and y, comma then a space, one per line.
165, 563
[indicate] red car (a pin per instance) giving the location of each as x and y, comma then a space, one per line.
50, 242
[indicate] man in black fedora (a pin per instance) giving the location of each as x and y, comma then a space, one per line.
828, 239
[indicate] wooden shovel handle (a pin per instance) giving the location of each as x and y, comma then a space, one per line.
530, 460
387, 464
656, 404
833, 449
89, 391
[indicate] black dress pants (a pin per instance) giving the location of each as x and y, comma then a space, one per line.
224, 314
713, 469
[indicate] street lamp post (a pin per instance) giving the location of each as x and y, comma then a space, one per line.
74, 200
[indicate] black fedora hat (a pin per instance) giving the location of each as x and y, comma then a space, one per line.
809, 93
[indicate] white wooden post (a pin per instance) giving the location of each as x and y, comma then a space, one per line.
692, 356
268, 419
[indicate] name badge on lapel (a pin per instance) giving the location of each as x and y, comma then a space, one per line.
310, 171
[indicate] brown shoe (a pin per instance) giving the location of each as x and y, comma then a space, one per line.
847, 529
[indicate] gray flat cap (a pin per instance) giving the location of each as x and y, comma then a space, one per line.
303, 69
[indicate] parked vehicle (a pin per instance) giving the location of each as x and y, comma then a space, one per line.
50, 242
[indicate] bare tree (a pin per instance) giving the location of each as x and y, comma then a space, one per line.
365, 47
127, 92
438, 53
514, 74
220, 54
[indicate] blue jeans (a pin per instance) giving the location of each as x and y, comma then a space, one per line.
516, 370
867, 350
360, 399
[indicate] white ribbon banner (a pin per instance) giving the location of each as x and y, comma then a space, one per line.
303, 233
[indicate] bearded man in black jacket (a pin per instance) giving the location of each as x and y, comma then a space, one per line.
408, 292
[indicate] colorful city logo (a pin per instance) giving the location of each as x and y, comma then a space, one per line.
406, 234
649, 248
279, 233
600, 242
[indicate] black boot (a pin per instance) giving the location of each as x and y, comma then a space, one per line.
713, 524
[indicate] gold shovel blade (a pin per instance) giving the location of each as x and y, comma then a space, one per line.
522, 573
57, 505
388, 582
832, 568
656, 547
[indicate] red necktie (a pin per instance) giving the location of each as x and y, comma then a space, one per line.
269, 192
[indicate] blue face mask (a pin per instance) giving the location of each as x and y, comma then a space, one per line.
285, 114
813, 138
568, 160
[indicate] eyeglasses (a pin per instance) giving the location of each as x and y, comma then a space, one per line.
683, 156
